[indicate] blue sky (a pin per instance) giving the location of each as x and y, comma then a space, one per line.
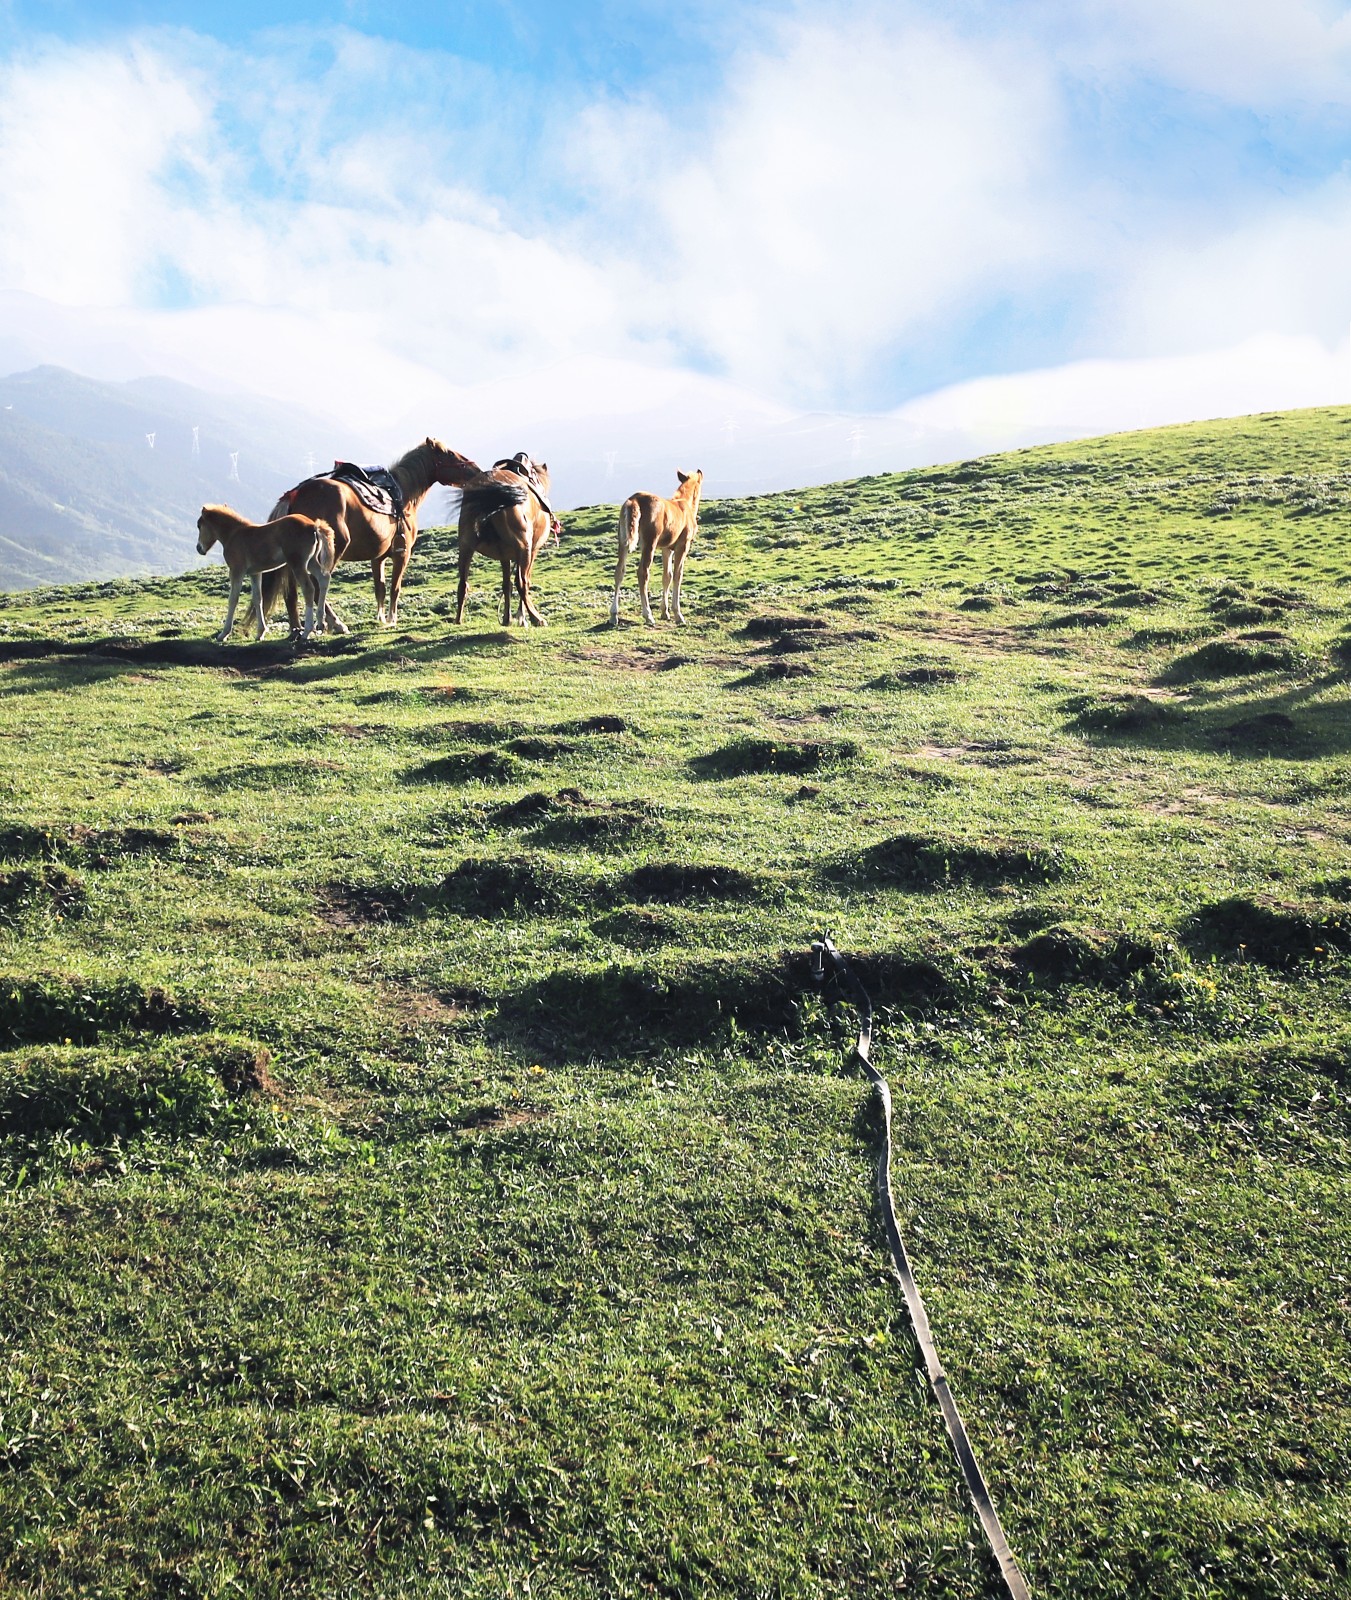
762, 210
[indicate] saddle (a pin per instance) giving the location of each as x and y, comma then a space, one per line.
524, 467
376, 487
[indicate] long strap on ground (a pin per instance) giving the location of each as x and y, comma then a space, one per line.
823, 953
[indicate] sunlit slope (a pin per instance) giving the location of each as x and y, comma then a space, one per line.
426, 1170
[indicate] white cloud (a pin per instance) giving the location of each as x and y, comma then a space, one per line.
1255, 53
854, 190
863, 182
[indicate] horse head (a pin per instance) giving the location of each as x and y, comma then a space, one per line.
447, 466
207, 531
685, 491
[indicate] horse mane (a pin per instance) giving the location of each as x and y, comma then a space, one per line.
414, 468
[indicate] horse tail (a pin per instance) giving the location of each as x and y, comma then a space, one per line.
325, 544
628, 524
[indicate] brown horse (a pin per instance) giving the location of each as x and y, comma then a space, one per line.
366, 535
298, 545
665, 525
505, 514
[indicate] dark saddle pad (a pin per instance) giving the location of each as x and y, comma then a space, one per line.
376, 487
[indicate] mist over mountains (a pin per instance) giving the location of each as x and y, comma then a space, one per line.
98, 480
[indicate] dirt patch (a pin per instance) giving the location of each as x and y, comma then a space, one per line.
918, 861
349, 905
677, 881
497, 1118
1277, 933
642, 660
746, 757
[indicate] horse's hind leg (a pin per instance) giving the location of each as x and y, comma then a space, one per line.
620, 563
523, 577
666, 584
378, 576
506, 594
303, 573
256, 578
398, 565
466, 556
644, 568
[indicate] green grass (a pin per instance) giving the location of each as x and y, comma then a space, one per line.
426, 1171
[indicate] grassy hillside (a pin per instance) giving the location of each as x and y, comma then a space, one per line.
426, 1173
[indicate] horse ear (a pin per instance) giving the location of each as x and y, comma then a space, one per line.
683, 476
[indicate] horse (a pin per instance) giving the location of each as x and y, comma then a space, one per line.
657, 524
302, 546
366, 535
506, 514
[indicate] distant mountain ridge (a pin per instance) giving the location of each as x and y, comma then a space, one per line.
101, 480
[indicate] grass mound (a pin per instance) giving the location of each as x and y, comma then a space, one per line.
644, 927
470, 766
918, 861
605, 723
570, 817
45, 888
1119, 711
772, 672
748, 757
96, 847
1064, 953
1089, 618
1264, 733
674, 881
1234, 658
542, 747
1272, 1093
95, 1100
686, 1001
921, 677
57, 1009
1277, 933
778, 627
521, 886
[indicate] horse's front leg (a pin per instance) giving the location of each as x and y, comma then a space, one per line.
666, 584
679, 579
466, 556
304, 577
378, 577
506, 594
236, 584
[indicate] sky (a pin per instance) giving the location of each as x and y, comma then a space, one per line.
786, 241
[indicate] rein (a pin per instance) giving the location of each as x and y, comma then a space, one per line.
1015, 1585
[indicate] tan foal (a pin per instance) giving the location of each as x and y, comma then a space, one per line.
304, 546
